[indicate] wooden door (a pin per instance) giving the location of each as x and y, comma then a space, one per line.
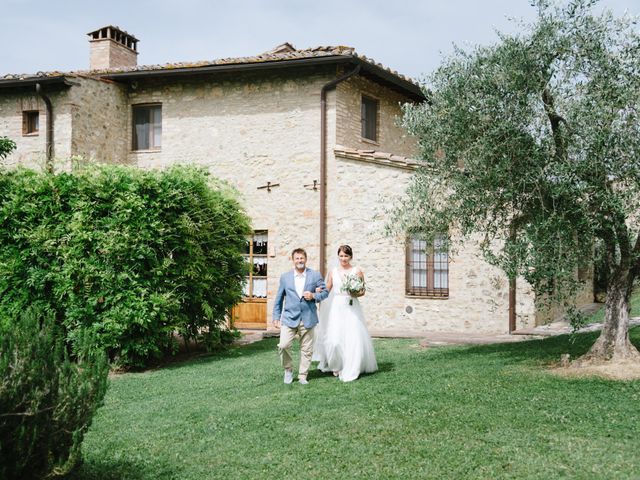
250, 315
252, 312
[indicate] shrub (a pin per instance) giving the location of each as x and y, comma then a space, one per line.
6, 147
133, 256
47, 397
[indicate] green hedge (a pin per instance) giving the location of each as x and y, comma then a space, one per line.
47, 399
131, 255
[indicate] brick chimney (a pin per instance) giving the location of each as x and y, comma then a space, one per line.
112, 48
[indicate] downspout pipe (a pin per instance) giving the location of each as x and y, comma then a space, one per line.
512, 291
323, 163
49, 130
512, 305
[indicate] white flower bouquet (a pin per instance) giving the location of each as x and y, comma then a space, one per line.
352, 284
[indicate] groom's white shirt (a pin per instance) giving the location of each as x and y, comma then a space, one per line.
300, 279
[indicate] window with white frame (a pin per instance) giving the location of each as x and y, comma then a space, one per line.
147, 127
255, 286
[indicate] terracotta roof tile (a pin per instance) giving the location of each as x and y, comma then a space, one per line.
376, 156
281, 53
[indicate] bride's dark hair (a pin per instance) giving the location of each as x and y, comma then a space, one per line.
346, 249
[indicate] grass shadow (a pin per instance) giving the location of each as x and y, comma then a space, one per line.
546, 350
233, 351
107, 469
314, 373
384, 367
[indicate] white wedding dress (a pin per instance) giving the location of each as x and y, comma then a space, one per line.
342, 341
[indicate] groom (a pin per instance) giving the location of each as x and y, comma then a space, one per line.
298, 292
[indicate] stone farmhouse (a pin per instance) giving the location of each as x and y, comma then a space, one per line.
311, 140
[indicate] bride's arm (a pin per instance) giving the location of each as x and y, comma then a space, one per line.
329, 284
360, 273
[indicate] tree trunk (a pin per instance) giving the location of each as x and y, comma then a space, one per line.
613, 344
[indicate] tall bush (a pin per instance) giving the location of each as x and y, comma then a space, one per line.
47, 397
133, 256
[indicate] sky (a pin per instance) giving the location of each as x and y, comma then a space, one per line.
410, 36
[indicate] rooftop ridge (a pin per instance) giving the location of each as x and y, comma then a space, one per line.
281, 53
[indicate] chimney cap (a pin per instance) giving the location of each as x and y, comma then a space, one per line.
114, 33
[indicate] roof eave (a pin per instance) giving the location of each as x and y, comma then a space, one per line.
405, 86
30, 82
220, 68
408, 88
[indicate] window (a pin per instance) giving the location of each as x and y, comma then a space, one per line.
255, 285
428, 268
147, 127
369, 118
30, 122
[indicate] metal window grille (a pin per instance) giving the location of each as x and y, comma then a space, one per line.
427, 268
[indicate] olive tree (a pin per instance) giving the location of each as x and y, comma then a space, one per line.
534, 143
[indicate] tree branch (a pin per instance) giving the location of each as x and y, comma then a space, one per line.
635, 266
555, 120
26, 414
622, 234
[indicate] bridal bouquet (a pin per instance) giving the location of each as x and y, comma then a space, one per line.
352, 284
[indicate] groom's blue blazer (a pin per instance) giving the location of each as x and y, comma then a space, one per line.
297, 309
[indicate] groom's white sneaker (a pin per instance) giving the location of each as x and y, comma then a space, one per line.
288, 377
303, 381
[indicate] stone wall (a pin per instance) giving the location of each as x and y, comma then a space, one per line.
360, 191
99, 113
250, 130
392, 138
478, 293
90, 120
478, 300
31, 149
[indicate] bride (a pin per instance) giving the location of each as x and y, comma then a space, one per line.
342, 343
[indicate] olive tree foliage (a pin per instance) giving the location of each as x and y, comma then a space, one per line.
534, 143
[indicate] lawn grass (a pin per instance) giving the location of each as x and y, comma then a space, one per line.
488, 411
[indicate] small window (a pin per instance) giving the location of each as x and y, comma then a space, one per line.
30, 122
369, 118
255, 285
428, 268
147, 127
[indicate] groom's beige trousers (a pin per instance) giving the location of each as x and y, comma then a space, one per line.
287, 336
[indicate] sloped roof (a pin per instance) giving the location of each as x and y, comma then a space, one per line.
284, 55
